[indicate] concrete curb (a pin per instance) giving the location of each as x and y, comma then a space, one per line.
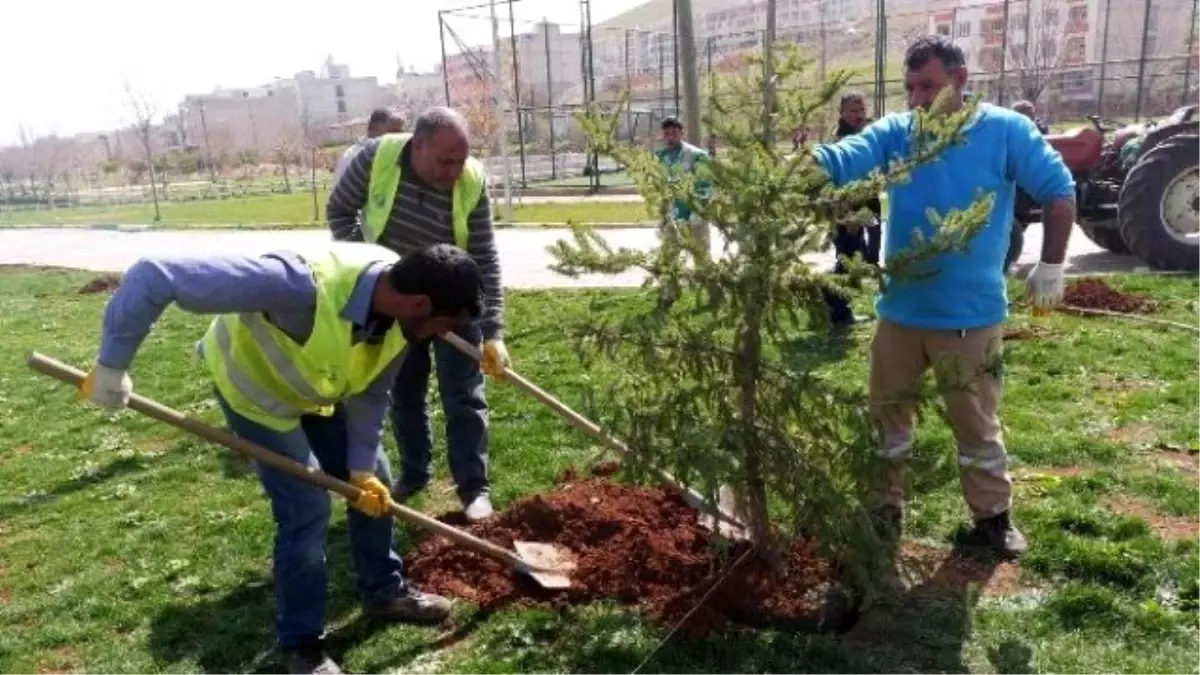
248, 227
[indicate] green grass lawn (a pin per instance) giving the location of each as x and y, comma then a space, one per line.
290, 209
126, 546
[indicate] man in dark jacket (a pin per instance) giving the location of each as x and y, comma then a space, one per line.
852, 239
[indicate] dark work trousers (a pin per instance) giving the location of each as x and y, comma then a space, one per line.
460, 384
849, 242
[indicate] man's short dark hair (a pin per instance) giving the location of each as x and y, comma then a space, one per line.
671, 122
443, 273
852, 97
930, 47
379, 117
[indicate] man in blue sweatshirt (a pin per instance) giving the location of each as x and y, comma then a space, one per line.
951, 322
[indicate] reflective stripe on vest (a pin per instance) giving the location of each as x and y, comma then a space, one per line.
385, 183
242, 382
268, 377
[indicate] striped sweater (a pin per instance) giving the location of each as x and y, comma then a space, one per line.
421, 216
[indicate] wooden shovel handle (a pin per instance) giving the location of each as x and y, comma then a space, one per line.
72, 376
694, 499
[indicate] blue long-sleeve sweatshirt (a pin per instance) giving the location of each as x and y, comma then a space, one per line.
1003, 150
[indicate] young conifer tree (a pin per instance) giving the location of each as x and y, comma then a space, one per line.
703, 376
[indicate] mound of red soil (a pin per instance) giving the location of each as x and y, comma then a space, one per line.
1097, 294
639, 546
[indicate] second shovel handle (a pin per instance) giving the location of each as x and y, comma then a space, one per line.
73, 376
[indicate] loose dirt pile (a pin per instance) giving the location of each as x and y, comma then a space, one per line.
1097, 294
639, 546
101, 284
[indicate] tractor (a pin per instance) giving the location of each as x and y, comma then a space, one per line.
1137, 188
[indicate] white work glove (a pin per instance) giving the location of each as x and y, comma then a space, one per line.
1044, 285
107, 387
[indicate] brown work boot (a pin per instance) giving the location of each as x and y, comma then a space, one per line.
410, 606
1001, 535
309, 658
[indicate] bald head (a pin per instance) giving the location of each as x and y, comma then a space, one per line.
440, 145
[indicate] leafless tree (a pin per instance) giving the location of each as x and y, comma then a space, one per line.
1046, 49
143, 113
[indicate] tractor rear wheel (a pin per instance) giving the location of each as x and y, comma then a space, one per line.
1106, 235
1159, 210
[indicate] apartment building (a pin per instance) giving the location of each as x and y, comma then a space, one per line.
283, 112
1066, 48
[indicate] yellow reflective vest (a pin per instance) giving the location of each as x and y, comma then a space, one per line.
385, 182
269, 378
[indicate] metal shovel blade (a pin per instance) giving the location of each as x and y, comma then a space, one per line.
550, 564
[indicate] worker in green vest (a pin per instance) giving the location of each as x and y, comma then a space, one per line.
410, 190
303, 351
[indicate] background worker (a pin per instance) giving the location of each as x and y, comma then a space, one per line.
852, 239
382, 121
952, 320
677, 152
416, 191
288, 324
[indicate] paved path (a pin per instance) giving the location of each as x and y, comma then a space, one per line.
522, 252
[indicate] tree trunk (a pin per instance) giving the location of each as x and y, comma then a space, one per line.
153, 179
749, 361
287, 184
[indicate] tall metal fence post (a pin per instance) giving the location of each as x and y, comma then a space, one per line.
1103, 59
1004, 54
1191, 45
550, 100
512, 34
591, 85
662, 75
628, 89
442, 39
1141, 81
708, 50
675, 49
880, 56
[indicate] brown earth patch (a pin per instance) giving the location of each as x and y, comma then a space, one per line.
1167, 527
935, 569
1137, 434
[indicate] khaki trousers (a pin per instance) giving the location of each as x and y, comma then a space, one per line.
967, 369
699, 230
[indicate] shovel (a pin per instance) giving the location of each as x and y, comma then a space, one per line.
545, 563
722, 518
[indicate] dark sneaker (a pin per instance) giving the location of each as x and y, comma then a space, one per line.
309, 657
411, 606
1001, 535
402, 491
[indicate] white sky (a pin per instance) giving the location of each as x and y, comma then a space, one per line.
66, 61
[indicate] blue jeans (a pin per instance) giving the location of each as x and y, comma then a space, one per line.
301, 514
460, 384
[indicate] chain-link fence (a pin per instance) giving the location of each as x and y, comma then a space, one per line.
1122, 59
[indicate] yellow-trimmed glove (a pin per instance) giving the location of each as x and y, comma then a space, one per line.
374, 498
495, 358
106, 387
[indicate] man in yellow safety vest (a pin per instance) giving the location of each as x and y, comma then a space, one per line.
302, 353
410, 190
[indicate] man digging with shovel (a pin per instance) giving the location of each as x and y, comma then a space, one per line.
302, 354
